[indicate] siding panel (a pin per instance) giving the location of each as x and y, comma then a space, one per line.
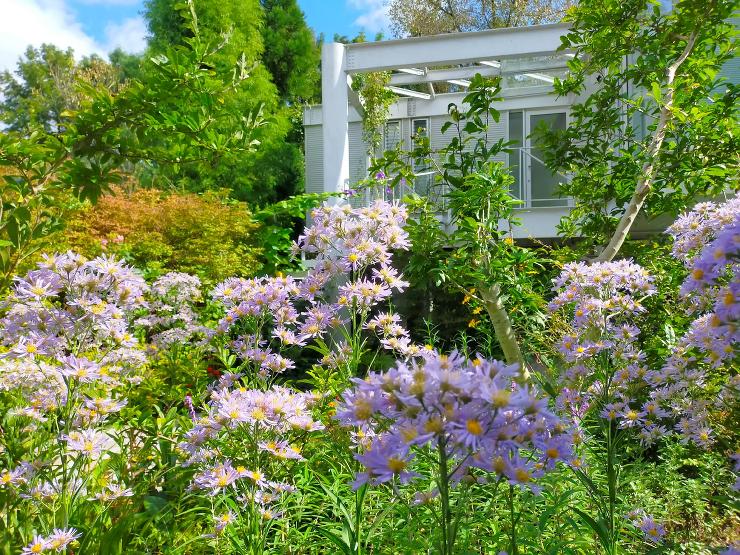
314, 159
357, 162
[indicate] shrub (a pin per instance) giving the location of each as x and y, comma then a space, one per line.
204, 234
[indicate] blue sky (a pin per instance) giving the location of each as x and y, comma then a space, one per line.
99, 26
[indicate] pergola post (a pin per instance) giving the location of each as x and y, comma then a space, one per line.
335, 112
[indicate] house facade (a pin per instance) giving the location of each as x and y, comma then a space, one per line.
429, 73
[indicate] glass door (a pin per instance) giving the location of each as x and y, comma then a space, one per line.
423, 181
542, 184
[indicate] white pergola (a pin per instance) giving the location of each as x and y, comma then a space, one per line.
485, 52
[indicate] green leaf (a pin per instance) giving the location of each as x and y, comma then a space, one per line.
598, 527
154, 504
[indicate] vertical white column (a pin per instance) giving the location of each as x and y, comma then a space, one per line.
334, 114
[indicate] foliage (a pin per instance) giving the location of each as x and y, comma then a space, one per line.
674, 136
205, 235
376, 101
174, 119
429, 17
277, 227
275, 170
615, 394
291, 51
47, 83
142, 418
476, 190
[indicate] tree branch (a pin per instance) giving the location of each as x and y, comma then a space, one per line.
644, 185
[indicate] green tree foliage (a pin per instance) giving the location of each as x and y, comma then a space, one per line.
291, 51
276, 169
661, 127
432, 17
129, 65
45, 85
178, 117
486, 265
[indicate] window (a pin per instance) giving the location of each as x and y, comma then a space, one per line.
516, 135
423, 181
534, 183
391, 135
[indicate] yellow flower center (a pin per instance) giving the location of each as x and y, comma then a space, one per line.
522, 475
396, 465
498, 465
552, 453
409, 434
258, 414
433, 425
363, 410
501, 398
474, 427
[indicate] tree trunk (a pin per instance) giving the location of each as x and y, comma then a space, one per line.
491, 296
644, 185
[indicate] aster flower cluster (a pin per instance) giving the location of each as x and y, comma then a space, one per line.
244, 441
56, 542
605, 299
352, 248
652, 530
171, 318
470, 412
68, 353
707, 240
69, 323
350, 275
606, 370
71, 304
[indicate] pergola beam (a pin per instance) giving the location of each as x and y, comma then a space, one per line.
407, 92
441, 75
455, 48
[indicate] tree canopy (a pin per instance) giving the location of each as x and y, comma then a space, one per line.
433, 17
657, 132
291, 52
274, 170
45, 85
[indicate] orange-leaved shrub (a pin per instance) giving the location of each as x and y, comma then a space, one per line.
202, 234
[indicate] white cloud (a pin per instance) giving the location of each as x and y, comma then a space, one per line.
129, 35
374, 15
33, 22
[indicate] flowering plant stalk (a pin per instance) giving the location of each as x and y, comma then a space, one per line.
70, 358
603, 384
268, 321
610, 389
467, 419
241, 448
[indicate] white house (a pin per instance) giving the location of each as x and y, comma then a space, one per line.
525, 58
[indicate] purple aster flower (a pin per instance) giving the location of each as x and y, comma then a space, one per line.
384, 461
